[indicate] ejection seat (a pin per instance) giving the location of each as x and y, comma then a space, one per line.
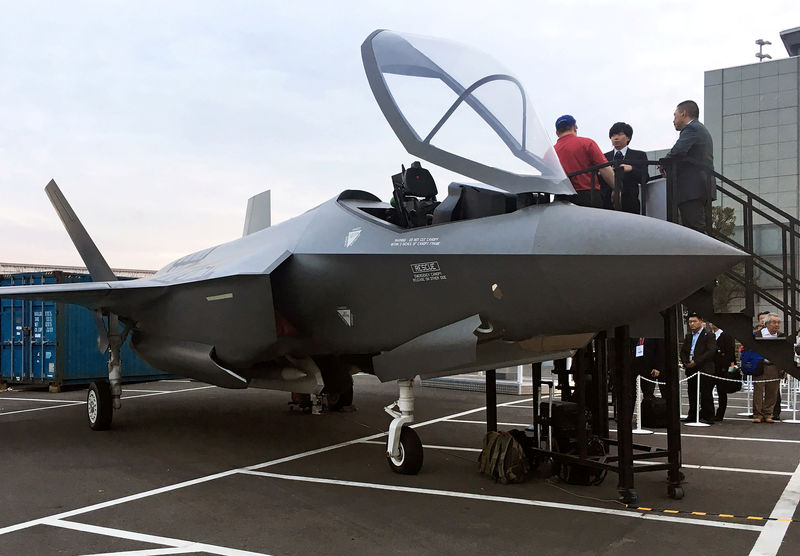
414, 196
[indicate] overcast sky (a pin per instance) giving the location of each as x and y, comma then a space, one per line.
159, 119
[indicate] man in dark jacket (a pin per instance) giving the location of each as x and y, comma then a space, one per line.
648, 362
634, 175
697, 355
723, 359
693, 154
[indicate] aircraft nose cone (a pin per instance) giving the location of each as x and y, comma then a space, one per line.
611, 267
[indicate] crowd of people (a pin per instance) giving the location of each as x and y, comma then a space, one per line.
708, 354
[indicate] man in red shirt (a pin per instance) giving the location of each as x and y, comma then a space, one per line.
577, 153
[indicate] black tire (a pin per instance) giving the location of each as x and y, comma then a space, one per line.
99, 407
628, 496
337, 402
409, 462
675, 492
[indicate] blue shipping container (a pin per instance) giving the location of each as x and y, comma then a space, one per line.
44, 342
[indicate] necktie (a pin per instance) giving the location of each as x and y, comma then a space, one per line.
618, 155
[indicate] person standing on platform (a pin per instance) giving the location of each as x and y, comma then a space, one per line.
578, 153
634, 175
693, 154
723, 359
697, 355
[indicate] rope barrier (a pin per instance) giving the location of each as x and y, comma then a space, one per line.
792, 387
714, 377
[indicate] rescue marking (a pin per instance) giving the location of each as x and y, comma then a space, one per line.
219, 297
427, 272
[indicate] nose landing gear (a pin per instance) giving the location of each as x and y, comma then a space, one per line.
404, 448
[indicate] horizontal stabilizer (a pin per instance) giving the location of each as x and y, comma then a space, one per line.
97, 265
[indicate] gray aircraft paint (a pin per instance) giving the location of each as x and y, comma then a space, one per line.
365, 294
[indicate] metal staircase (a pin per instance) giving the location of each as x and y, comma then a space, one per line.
770, 236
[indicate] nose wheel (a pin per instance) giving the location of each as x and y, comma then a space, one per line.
409, 458
404, 448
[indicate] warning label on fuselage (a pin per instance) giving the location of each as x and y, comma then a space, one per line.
427, 272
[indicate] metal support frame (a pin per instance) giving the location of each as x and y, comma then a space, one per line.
673, 396
623, 382
491, 400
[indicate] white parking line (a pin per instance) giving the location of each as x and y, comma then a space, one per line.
640, 462
434, 447
506, 499
771, 537
69, 403
468, 422
186, 546
40, 408
13, 399
149, 391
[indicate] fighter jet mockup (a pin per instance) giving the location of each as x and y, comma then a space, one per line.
493, 275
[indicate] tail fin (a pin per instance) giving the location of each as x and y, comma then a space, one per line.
97, 265
258, 213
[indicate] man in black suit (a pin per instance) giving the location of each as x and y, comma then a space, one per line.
694, 154
723, 359
697, 355
648, 362
634, 176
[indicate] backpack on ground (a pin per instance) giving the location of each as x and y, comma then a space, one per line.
503, 458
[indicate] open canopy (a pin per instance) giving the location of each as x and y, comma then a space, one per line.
443, 98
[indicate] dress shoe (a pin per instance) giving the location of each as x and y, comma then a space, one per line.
718, 418
776, 417
769, 420
707, 421
756, 419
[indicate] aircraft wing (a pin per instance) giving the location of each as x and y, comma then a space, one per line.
92, 295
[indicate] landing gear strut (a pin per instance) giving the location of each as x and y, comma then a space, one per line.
404, 448
104, 397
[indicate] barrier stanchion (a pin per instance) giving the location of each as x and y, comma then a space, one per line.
793, 383
680, 394
748, 385
786, 401
638, 409
697, 422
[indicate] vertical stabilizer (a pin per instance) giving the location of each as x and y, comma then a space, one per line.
258, 213
94, 261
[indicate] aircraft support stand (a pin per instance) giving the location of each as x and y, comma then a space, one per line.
491, 400
623, 381
673, 395
404, 448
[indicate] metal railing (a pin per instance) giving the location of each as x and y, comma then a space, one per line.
753, 208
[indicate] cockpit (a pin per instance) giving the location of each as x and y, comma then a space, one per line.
414, 201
